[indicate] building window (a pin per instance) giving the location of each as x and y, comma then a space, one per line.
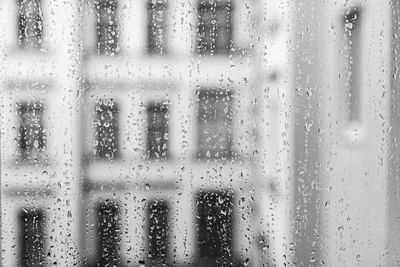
214, 118
30, 27
214, 225
352, 51
158, 232
107, 27
214, 29
156, 28
157, 130
32, 225
106, 132
108, 234
31, 131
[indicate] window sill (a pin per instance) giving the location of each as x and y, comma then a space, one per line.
41, 162
38, 52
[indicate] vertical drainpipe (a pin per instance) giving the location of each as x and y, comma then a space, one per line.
307, 171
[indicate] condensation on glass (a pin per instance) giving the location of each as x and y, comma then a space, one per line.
205, 133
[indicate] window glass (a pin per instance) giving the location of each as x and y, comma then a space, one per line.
214, 119
107, 27
32, 233
214, 223
32, 139
106, 130
30, 27
108, 234
158, 212
157, 130
214, 33
156, 29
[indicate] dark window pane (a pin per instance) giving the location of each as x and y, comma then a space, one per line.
156, 28
32, 238
31, 130
158, 231
157, 124
214, 210
30, 28
214, 117
106, 133
108, 234
107, 27
214, 30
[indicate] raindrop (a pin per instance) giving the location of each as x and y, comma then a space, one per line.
147, 187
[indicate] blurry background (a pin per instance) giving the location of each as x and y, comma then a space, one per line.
199, 133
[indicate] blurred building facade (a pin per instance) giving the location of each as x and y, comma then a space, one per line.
130, 133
